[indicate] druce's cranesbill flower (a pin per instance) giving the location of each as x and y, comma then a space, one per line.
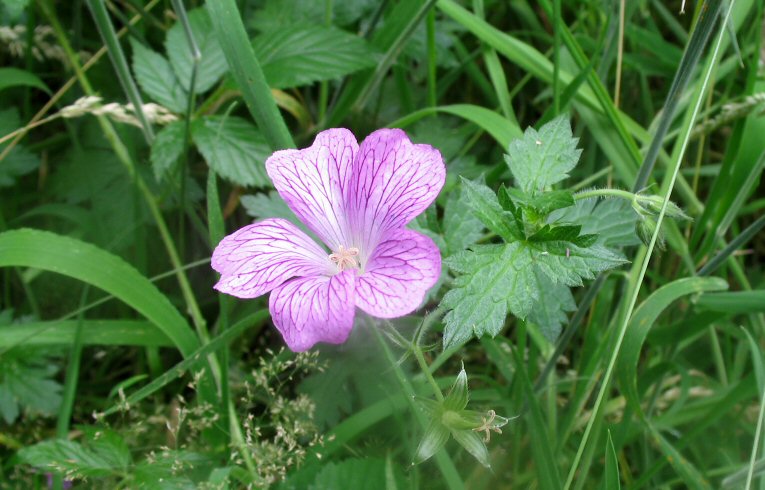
357, 200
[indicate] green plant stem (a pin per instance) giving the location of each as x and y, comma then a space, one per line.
757, 435
443, 461
72, 375
324, 85
426, 372
644, 265
430, 23
246, 70
588, 194
238, 440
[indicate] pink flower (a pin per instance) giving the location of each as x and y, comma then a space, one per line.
357, 200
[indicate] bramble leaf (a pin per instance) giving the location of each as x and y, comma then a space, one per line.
156, 77
167, 148
542, 158
233, 148
303, 54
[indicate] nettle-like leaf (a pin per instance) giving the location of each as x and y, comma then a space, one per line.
233, 148
551, 243
303, 54
212, 64
156, 77
545, 157
497, 279
461, 227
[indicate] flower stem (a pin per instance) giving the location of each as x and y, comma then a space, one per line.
426, 371
629, 196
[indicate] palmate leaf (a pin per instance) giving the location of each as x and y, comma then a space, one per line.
461, 227
303, 54
497, 279
233, 148
612, 220
542, 158
549, 311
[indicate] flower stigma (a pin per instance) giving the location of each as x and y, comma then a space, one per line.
345, 258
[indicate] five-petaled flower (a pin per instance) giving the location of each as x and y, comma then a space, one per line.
357, 199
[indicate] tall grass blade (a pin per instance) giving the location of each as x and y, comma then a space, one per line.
710, 11
247, 73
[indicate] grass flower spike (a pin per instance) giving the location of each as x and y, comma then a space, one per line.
357, 199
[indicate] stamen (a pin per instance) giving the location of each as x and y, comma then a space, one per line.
345, 258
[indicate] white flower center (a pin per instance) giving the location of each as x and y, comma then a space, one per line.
345, 258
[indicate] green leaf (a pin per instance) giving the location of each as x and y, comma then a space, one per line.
569, 264
495, 279
26, 382
457, 398
461, 227
497, 126
167, 148
233, 148
19, 161
155, 76
542, 158
94, 332
435, 438
83, 261
566, 233
549, 310
641, 322
472, 442
485, 206
270, 205
104, 456
14, 8
367, 473
492, 280
611, 220
9, 407
548, 202
14, 77
612, 481
303, 54
212, 63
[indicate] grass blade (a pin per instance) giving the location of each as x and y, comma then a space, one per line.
192, 359
710, 11
90, 264
105, 27
247, 72
94, 332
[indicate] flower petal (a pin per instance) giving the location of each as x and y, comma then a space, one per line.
399, 273
314, 309
313, 182
259, 257
392, 182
